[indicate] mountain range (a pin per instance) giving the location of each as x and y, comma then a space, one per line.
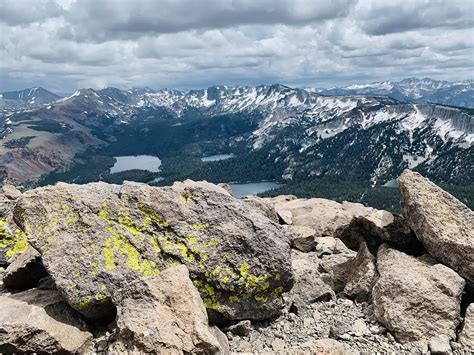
275, 132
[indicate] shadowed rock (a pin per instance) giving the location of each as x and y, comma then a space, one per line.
40, 321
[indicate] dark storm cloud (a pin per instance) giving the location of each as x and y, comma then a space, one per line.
396, 16
21, 12
68, 44
107, 19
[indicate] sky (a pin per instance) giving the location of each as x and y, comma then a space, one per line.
64, 45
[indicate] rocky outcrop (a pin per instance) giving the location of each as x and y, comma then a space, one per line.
96, 238
466, 336
378, 227
416, 298
363, 275
442, 223
25, 270
37, 321
165, 314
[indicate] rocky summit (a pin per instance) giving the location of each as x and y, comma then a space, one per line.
102, 268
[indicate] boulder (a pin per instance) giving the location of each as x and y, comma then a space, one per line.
96, 238
323, 216
336, 268
466, 336
363, 275
330, 245
25, 270
301, 237
416, 298
309, 287
40, 321
377, 227
164, 314
264, 206
442, 223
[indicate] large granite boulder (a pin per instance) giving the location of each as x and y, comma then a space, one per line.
95, 239
163, 314
442, 223
416, 298
38, 321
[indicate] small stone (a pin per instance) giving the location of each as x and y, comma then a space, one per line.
439, 344
316, 315
278, 344
242, 328
359, 327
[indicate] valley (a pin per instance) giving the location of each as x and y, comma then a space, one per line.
297, 141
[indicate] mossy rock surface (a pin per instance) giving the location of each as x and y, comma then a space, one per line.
97, 238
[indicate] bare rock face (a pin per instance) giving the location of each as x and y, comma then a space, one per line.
40, 321
165, 314
95, 239
466, 337
363, 275
309, 286
416, 298
442, 223
25, 270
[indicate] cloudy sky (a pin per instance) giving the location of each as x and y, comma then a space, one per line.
68, 44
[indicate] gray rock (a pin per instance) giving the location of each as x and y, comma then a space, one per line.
439, 345
11, 192
318, 347
323, 216
242, 328
330, 245
363, 275
164, 313
442, 223
466, 336
46, 283
94, 239
25, 270
338, 268
359, 327
416, 298
309, 286
222, 340
338, 329
40, 321
301, 237
377, 227
264, 206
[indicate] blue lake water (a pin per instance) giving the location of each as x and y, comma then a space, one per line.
217, 157
142, 162
391, 183
240, 190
